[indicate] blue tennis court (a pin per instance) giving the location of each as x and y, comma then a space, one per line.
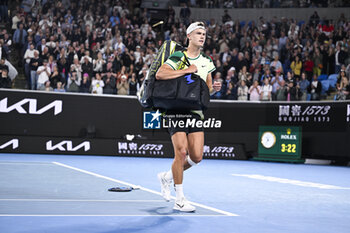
59, 193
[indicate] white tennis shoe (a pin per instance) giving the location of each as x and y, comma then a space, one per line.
164, 186
184, 205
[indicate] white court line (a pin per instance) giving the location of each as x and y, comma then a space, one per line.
111, 215
27, 163
144, 189
289, 181
78, 200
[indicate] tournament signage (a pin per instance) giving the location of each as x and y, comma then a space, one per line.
5, 107
165, 149
12, 144
67, 145
135, 148
312, 116
220, 151
280, 143
138, 148
71, 120
300, 113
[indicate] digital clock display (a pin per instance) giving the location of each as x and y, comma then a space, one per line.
281, 142
289, 148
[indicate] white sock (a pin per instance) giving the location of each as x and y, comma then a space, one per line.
169, 175
179, 191
189, 161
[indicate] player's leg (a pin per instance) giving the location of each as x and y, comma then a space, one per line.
195, 141
195, 149
180, 145
179, 140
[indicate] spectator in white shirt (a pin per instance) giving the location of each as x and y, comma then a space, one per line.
29, 54
15, 20
98, 63
97, 85
266, 90
87, 55
137, 53
119, 44
76, 66
44, 74
254, 91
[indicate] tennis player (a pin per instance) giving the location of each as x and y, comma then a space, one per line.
187, 142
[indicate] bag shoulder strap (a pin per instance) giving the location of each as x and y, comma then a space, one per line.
166, 51
187, 62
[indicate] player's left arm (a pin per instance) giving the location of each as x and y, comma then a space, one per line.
213, 88
210, 83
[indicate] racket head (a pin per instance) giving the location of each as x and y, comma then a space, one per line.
121, 189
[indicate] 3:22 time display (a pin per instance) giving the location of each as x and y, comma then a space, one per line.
289, 148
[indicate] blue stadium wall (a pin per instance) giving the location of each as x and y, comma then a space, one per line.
42, 122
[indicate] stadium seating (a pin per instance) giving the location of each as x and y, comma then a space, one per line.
333, 80
322, 77
325, 86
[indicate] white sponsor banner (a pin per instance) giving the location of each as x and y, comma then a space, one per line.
14, 143
33, 106
67, 145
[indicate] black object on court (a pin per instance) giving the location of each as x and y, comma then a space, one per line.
120, 189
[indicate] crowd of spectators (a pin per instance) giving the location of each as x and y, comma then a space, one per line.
106, 47
280, 59
264, 3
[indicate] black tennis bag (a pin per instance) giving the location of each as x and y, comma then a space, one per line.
144, 95
188, 92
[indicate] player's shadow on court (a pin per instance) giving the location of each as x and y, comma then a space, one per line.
164, 211
146, 225
160, 211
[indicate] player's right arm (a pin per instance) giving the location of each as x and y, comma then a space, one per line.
167, 72
174, 67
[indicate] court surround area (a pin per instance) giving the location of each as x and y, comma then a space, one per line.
61, 193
